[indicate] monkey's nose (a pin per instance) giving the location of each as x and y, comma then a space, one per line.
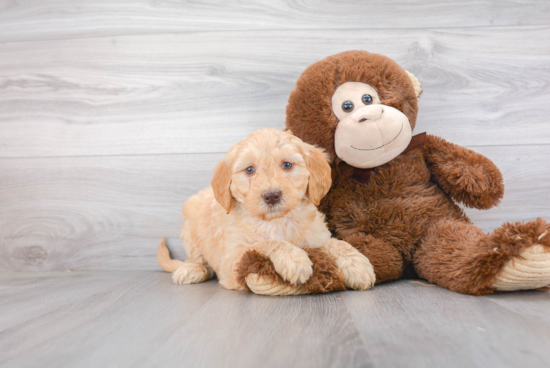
272, 197
372, 112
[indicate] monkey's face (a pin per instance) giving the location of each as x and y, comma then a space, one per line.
369, 133
360, 107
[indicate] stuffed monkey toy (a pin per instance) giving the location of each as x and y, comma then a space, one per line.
395, 195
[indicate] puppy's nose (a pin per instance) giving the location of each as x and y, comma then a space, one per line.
272, 197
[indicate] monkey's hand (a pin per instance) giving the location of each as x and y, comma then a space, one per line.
464, 175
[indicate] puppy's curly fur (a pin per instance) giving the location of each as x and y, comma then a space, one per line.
235, 225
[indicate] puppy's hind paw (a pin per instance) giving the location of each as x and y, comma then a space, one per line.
292, 264
191, 273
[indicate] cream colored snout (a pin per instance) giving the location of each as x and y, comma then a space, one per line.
372, 136
366, 113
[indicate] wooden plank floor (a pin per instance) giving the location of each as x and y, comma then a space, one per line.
139, 318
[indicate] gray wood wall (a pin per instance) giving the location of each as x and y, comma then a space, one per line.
112, 113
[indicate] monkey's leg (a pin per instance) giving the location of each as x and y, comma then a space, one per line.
461, 257
386, 260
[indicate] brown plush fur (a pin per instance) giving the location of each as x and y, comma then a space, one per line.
326, 275
464, 175
385, 258
406, 213
453, 251
394, 216
309, 111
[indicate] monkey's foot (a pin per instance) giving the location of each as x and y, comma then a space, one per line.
257, 274
529, 270
266, 285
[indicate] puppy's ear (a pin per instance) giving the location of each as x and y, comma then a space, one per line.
319, 173
221, 183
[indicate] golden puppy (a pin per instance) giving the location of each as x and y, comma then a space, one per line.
263, 197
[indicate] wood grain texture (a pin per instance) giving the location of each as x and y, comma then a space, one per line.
531, 305
201, 92
137, 318
50, 19
439, 328
94, 212
110, 212
142, 319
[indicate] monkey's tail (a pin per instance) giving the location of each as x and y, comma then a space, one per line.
163, 258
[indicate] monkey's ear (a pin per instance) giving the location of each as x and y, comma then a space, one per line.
221, 183
416, 83
320, 178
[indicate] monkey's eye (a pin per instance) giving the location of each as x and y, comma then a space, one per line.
347, 106
367, 99
287, 165
250, 170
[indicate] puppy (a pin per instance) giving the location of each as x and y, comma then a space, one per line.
263, 198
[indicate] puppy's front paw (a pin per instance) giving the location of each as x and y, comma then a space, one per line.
357, 269
292, 264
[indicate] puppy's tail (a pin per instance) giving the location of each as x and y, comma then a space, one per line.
163, 258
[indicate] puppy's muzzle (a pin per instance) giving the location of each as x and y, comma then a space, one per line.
272, 197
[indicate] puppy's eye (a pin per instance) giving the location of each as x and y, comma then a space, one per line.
250, 170
347, 106
367, 99
287, 165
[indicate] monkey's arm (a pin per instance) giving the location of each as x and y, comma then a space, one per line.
465, 175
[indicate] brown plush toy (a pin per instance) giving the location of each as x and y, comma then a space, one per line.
394, 196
